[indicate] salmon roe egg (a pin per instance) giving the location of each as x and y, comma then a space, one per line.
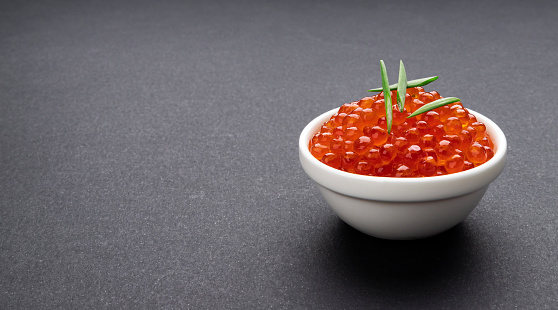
362, 144
377, 134
445, 140
373, 157
332, 159
427, 166
348, 161
432, 118
454, 164
404, 172
476, 153
453, 125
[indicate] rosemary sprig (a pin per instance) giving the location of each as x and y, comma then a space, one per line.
401, 86
387, 95
433, 105
412, 83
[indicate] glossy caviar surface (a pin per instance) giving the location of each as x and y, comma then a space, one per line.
442, 141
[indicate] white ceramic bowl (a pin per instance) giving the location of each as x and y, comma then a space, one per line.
402, 208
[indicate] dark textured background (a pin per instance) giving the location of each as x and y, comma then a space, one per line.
148, 154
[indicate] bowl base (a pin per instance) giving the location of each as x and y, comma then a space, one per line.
402, 220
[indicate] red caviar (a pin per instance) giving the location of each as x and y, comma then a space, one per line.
442, 141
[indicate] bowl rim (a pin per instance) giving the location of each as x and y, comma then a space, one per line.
418, 188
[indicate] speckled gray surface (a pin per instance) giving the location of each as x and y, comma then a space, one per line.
148, 154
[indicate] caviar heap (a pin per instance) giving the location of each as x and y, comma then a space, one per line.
442, 141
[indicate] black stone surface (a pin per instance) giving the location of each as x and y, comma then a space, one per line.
148, 154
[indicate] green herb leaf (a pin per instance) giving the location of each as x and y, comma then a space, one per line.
412, 83
387, 95
433, 105
401, 86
